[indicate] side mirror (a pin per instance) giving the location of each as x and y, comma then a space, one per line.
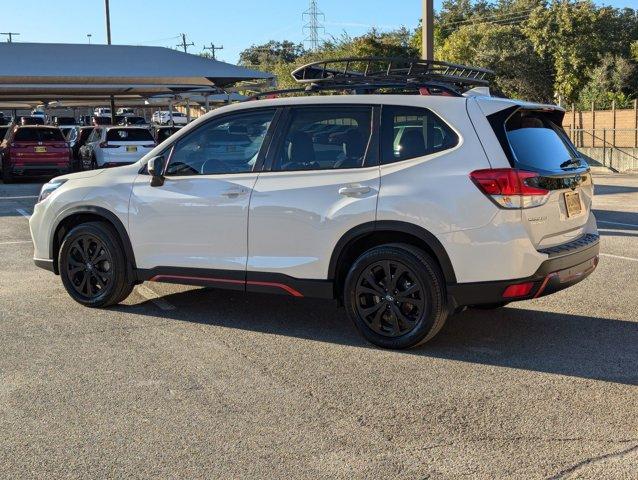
155, 168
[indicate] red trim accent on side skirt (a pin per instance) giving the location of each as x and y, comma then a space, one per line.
286, 288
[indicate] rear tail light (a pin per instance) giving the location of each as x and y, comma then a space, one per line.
510, 188
518, 290
106, 145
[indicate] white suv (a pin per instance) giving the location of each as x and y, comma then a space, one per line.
415, 207
115, 146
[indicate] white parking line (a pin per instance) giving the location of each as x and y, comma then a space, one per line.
149, 294
15, 242
23, 212
19, 197
618, 223
631, 259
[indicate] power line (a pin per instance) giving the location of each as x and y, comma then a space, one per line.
501, 21
212, 49
184, 45
488, 18
313, 18
10, 35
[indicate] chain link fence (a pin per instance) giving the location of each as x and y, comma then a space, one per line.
614, 148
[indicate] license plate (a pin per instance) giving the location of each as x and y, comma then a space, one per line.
572, 203
131, 149
40, 149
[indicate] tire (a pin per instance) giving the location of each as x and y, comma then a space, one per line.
93, 165
382, 313
92, 252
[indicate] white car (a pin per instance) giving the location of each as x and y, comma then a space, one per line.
427, 204
164, 118
102, 112
115, 146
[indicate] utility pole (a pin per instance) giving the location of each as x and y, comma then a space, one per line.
427, 25
184, 45
88, 35
108, 42
212, 49
10, 35
312, 26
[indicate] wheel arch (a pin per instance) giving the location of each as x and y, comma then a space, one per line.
371, 234
82, 214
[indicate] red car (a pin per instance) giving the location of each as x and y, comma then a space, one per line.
34, 151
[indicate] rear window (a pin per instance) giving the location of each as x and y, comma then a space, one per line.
38, 135
538, 144
129, 135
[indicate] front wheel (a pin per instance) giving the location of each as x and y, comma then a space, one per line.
395, 295
92, 265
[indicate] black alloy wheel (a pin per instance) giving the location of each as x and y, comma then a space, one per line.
390, 298
89, 266
93, 265
395, 295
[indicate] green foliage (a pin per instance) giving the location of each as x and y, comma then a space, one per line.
539, 49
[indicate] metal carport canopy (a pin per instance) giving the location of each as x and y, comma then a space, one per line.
47, 71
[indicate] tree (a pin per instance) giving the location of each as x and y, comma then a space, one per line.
614, 79
519, 70
271, 53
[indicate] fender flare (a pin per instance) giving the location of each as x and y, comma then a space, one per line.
107, 215
393, 226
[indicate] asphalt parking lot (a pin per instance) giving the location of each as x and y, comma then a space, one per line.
183, 382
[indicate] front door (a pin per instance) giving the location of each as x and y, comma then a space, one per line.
198, 219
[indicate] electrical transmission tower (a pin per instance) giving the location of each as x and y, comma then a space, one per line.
312, 25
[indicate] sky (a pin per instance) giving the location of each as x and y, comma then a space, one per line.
234, 24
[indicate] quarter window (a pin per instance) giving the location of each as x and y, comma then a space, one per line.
410, 132
227, 145
325, 138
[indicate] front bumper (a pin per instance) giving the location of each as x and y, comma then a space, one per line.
565, 266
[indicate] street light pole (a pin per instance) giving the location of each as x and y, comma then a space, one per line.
427, 26
107, 12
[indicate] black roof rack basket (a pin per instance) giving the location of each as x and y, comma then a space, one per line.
369, 71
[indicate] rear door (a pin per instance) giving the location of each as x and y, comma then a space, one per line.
534, 140
315, 188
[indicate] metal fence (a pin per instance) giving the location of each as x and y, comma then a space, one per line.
615, 148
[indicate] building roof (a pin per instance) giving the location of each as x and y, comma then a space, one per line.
50, 70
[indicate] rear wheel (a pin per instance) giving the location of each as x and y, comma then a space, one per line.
395, 295
93, 265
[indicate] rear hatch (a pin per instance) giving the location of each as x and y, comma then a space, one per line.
534, 141
127, 145
39, 146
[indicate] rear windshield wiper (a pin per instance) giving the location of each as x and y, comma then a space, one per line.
572, 162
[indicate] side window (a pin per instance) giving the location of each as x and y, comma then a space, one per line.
226, 145
410, 132
325, 138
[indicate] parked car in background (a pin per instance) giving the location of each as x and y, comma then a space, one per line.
125, 111
38, 113
161, 133
100, 121
115, 146
34, 151
4, 120
102, 112
60, 121
3, 131
31, 120
132, 120
85, 120
163, 117
77, 138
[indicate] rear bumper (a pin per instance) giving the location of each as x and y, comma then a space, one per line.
565, 266
36, 169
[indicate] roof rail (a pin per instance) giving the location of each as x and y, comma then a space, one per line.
370, 70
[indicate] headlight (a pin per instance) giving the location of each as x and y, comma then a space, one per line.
49, 188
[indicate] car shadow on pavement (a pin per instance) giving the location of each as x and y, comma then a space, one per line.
601, 189
559, 343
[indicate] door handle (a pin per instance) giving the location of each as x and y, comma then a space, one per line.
354, 190
234, 192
